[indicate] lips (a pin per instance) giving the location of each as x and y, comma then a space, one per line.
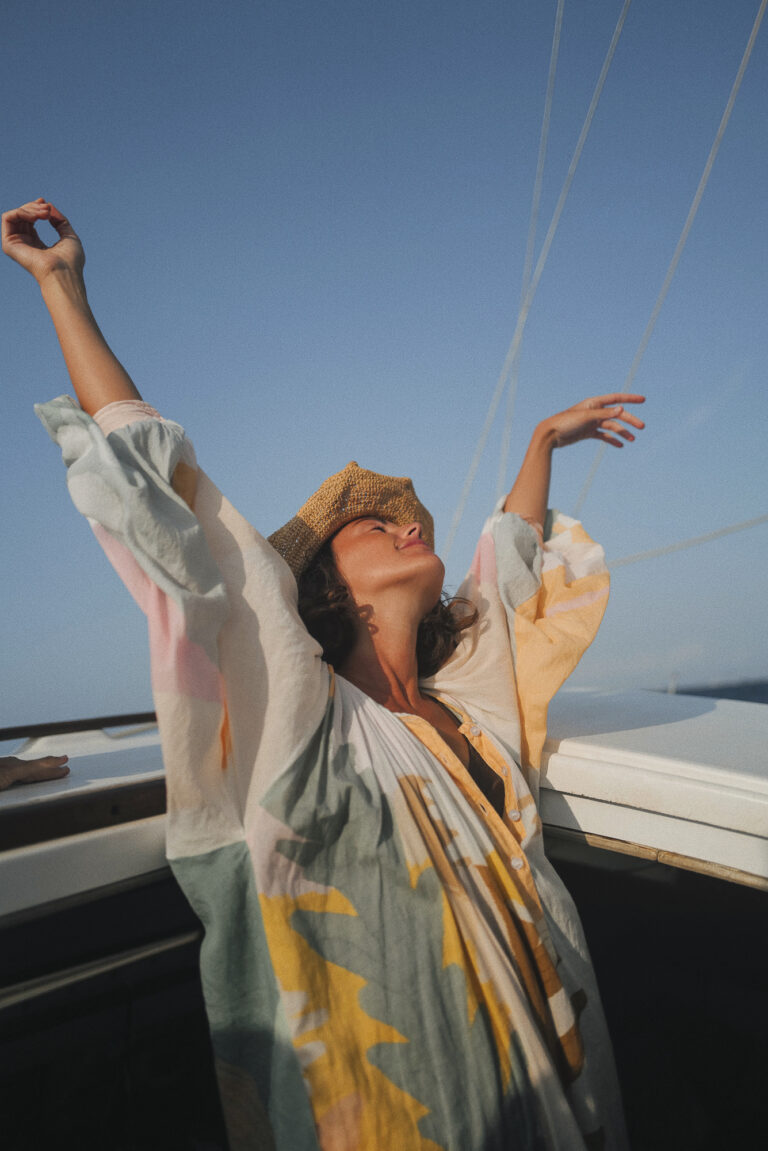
415, 544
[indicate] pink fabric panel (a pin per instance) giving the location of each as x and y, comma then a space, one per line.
137, 581
122, 412
484, 563
178, 664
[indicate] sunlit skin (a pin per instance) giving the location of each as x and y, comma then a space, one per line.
395, 581
376, 558
393, 576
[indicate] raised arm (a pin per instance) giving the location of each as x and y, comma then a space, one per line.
599, 418
96, 374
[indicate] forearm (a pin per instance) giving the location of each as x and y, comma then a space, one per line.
97, 376
601, 418
530, 492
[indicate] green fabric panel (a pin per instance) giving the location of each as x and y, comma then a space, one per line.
518, 561
248, 1028
395, 942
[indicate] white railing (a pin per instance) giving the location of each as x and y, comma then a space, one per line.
681, 779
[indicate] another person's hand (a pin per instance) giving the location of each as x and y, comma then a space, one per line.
599, 418
22, 243
15, 770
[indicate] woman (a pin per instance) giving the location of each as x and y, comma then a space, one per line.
389, 959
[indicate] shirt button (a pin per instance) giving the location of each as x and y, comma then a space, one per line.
474, 729
518, 864
514, 815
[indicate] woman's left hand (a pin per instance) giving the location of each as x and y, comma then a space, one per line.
599, 418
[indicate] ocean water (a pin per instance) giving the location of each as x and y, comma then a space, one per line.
749, 690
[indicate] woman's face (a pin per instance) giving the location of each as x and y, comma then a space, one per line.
373, 555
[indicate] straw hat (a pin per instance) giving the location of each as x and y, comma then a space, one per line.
348, 495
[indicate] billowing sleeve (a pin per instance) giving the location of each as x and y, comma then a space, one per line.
539, 608
238, 684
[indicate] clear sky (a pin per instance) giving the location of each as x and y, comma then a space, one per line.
305, 226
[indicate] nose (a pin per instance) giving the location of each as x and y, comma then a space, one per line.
413, 529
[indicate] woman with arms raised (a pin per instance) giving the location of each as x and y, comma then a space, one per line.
389, 961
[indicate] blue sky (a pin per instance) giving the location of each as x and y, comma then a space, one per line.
305, 226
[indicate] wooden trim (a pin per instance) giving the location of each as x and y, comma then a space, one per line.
656, 855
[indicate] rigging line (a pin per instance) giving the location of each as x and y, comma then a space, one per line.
526, 306
689, 543
532, 225
680, 243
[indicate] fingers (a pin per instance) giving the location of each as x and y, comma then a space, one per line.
29, 213
604, 438
613, 426
45, 768
608, 429
628, 417
61, 223
15, 770
22, 220
21, 242
616, 412
615, 398
616, 401
18, 225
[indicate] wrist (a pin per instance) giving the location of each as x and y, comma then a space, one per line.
63, 283
544, 437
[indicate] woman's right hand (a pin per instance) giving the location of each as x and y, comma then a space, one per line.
22, 243
97, 375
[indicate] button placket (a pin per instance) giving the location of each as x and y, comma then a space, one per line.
449, 760
516, 862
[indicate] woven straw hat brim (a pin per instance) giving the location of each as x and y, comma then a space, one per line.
346, 496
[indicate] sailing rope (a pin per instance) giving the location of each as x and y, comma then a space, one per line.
689, 543
525, 307
530, 243
680, 244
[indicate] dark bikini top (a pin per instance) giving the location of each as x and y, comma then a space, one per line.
490, 783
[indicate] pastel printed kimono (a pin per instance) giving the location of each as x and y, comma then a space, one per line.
388, 963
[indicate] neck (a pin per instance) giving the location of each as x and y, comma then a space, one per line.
383, 661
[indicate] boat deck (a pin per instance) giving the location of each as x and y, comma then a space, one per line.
104, 1039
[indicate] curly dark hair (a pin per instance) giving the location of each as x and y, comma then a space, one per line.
329, 614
